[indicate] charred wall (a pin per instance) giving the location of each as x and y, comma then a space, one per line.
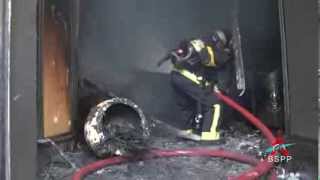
261, 44
301, 48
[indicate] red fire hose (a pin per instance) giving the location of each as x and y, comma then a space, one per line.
264, 166
260, 169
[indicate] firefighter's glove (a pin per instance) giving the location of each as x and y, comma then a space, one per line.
216, 89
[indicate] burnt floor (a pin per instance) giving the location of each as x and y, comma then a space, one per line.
238, 138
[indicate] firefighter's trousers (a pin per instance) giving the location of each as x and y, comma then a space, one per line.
188, 93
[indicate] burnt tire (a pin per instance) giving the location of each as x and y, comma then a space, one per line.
109, 125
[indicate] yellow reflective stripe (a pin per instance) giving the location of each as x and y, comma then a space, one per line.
211, 58
191, 76
213, 134
197, 44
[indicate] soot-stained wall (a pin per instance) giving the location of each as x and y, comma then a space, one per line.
260, 30
120, 42
261, 44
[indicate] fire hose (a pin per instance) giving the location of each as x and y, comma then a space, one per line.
260, 168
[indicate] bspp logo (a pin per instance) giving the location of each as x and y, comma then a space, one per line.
278, 153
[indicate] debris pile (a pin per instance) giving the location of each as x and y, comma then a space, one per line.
188, 168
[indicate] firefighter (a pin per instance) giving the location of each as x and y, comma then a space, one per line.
194, 78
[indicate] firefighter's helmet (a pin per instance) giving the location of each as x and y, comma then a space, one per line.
219, 36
